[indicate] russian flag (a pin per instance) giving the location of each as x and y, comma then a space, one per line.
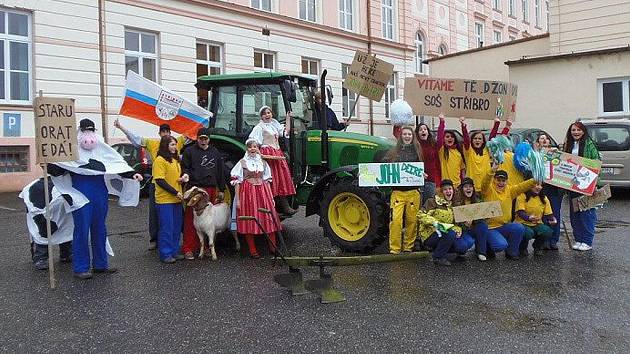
152, 103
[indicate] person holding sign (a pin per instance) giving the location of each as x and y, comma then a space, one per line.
431, 161
266, 134
404, 201
478, 229
450, 153
533, 210
578, 142
495, 187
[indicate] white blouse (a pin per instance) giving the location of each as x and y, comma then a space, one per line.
274, 128
253, 164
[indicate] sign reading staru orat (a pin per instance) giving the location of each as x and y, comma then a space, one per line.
55, 129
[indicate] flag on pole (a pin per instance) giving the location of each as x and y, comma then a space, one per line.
152, 103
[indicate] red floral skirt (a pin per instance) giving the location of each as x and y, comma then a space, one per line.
282, 182
251, 198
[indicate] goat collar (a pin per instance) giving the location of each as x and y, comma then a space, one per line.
199, 211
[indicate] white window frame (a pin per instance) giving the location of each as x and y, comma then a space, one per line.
496, 5
347, 101
7, 38
512, 8
140, 54
344, 13
537, 13
388, 6
306, 10
265, 52
480, 36
392, 87
420, 52
525, 9
497, 36
625, 92
260, 6
309, 61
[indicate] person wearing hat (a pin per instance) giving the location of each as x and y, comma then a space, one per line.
203, 167
332, 122
478, 229
495, 187
437, 227
152, 146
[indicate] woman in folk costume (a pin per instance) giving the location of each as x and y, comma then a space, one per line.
476, 153
266, 134
451, 154
251, 177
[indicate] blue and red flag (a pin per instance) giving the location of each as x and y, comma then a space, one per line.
152, 103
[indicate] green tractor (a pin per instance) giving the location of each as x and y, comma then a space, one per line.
323, 162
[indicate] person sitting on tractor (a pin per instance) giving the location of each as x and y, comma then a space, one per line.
332, 123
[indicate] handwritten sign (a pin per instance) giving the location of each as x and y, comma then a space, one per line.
571, 172
477, 211
584, 202
476, 99
55, 129
368, 76
393, 174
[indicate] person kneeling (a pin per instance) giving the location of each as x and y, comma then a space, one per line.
533, 210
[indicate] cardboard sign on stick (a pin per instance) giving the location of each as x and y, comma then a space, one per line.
391, 174
477, 211
368, 76
55, 129
571, 172
475, 99
600, 196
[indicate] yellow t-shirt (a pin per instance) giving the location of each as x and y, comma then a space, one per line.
532, 207
477, 166
170, 172
514, 176
451, 168
490, 194
153, 145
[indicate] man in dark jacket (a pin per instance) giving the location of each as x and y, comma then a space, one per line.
203, 167
332, 122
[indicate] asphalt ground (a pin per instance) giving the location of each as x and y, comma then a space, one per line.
558, 302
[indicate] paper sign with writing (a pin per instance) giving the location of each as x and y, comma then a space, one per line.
600, 196
477, 211
571, 172
55, 129
476, 99
368, 76
392, 174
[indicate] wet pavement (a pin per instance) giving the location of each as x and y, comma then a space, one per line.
559, 302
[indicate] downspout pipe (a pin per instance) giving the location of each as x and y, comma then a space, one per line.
369, 50
101, 65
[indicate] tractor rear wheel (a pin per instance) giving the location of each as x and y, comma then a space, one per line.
354, 218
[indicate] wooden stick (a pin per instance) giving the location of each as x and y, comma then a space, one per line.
356, 100
51, 255
272, 157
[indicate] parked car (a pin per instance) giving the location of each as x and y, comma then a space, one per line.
138, 159
612, 137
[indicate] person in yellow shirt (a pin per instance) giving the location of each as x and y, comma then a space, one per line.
533, 210
495, 188
152, 146
476, 153
450, 153
168, 199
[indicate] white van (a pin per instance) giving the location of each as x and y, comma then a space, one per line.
612, 137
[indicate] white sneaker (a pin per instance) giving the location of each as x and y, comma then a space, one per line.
481, 257
585, 247
576, 246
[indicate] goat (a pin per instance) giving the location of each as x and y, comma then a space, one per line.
209, 219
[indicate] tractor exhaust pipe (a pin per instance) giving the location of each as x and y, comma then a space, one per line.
323, 116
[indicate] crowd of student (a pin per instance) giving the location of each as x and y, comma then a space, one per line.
467, 174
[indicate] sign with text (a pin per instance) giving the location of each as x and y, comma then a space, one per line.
368, 76
392, 174
475, 99
55, 129
12, 123
599, 197
477, 211
571, 172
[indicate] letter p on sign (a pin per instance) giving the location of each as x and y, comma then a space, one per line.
12, 123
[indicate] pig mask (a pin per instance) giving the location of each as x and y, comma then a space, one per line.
87, 140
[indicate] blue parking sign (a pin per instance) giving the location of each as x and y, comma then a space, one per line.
12, 123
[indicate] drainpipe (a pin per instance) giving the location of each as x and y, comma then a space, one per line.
369, 50
101, 64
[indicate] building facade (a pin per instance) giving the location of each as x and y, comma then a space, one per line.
83, 49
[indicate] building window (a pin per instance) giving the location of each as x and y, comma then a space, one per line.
262, 4
348, 98
614, 97
15, 57
479, 33
390, 93
141, 53
14, 159
525, 11
420, 53
387, 18
308, 8
496, 4
264, 60
346, 14
209, 62
512, 8
498, 38
442, 49
537, 13
310, 67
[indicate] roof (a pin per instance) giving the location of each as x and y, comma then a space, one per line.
211, 80
526, 60
473, 50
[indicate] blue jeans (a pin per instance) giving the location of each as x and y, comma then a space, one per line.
440, 244
153, 215
40, 252
556, 205
171, 219
463, 243
583, 224
428, 191
512, 232
481, 235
